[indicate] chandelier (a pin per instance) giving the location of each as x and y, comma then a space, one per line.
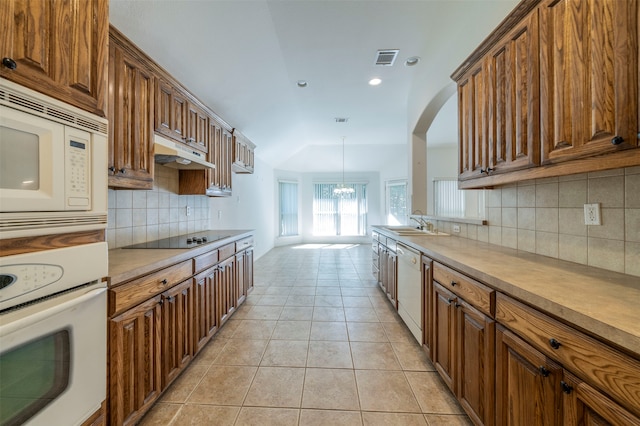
341, 190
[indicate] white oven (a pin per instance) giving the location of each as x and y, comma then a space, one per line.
53, 165
53, 335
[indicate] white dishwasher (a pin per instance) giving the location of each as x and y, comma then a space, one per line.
410, 289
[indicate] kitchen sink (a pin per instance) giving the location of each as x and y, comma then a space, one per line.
408, 230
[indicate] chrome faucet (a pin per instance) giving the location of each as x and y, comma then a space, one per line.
420, 222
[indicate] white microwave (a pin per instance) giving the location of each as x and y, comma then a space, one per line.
53, 165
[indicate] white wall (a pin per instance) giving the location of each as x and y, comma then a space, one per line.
250, 207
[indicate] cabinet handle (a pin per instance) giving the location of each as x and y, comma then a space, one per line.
617, 140
123, 170
456, 305
450, 300
453, 283
566, 388
487, 171
191, 139
112, 169
543, 371
554, 343
164, 282
9, 63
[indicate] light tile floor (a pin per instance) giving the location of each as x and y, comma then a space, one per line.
315, 343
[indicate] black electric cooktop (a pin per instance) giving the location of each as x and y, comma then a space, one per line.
188, 241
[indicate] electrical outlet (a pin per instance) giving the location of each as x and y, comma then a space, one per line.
592, 214
188, 210
456, 228
219, 214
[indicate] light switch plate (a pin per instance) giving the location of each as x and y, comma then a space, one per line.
592, 214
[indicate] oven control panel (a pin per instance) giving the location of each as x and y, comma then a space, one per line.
26, 277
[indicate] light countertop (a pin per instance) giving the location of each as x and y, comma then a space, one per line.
127, 264
603, 303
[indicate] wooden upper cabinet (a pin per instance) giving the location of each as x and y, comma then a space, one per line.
130, 113
243, 160
179, 118
552, 91
58, 48
513, 105
472, 106
589, 93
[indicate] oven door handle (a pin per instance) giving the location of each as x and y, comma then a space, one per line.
20, 323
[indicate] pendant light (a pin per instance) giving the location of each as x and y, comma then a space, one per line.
341, 190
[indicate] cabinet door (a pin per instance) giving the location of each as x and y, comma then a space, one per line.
513, 101
59, 48
475, 335
248, 271
179, 114
226, 160
163, 108
131, 90
586, 406
204, 310
239, 278
134, 361
527, 384
427, 291
224, 291
589, 77
392, 279
444, 333
197, 134
177, 314
473, 128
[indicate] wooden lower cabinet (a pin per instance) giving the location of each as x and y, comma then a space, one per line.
463, 353
427, 291
152, 341
134, 361
527, 383
475, 356
389, 274
177, 317
444, 334
205, 313
586, 406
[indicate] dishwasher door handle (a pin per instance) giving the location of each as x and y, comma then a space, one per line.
399, 250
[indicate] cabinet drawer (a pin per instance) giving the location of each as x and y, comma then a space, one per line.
226, 252
205, 260
593, 361
141, 289
244, 243
473, 292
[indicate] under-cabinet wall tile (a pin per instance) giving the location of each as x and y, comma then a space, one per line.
494, 197
527, 218
124, 199
572, 193
547, 243
509, 217
606, 173
608, 191
632, 254
495, 235
571, 222
606, 254
547, 195
510, 237
632, 226
495, 216
527, 196
612, 227
547, 219
483, 233
572, 248
632, 191
139, 199
510, 196
527, 240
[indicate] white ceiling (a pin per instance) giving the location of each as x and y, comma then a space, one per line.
244, 57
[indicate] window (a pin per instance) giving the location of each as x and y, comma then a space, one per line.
288, 208
334, 215
396, 202
448, 200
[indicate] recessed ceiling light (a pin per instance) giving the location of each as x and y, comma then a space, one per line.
412, 61
302, 83
375, 81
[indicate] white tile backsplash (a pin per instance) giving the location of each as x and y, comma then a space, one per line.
137, 216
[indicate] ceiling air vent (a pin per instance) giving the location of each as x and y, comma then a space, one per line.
341, 119
387, 57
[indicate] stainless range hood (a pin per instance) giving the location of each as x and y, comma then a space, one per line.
178, 156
